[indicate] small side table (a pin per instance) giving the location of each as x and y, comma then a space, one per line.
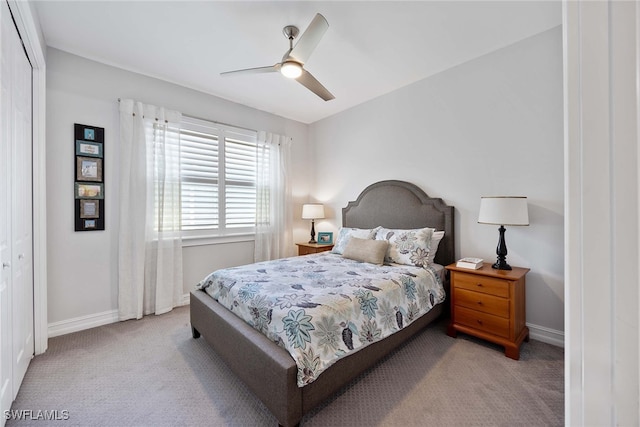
312, 248
490, 304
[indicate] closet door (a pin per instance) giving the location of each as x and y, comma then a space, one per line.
16, 211
22, 215
6, 345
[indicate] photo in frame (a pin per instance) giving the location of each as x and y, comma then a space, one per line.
89, 208
86, 148
325, 238
88, 133
88, 169
89, 191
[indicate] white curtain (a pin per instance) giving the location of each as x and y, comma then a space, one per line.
150, 246
274, 212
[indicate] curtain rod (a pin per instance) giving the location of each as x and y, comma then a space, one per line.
218, 123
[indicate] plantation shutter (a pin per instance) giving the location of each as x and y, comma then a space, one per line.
240, 181
218, 169
199, 153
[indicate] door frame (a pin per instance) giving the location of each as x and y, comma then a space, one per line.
601, 44
29, 29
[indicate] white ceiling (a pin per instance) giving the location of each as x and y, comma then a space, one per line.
371, 47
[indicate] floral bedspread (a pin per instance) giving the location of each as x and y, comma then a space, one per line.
322, 307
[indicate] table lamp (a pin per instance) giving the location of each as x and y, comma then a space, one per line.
312, 211
503, 210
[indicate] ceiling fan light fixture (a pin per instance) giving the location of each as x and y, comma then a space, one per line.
291, 69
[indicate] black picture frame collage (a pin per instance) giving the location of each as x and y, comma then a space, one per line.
89, 177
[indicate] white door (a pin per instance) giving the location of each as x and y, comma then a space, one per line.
6, 345
22, 223
16, 223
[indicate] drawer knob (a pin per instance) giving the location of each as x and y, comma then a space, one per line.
479, 284
479, 302
479, 321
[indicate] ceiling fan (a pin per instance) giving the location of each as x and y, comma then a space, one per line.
292, 65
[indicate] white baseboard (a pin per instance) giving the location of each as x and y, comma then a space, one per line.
81, 323
550, 336
90, 321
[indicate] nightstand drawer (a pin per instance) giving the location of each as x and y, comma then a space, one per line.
482, 321
305, 250
479, 283
312, 248
482, 302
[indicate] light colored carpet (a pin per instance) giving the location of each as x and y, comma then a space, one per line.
151, 372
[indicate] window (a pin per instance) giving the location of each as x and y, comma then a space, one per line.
218, 177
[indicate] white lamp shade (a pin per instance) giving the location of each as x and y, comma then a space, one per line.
312, 211
504, 210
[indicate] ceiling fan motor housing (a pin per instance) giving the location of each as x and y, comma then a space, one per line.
291, 32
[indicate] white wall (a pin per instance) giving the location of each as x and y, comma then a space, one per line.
82, 266
491, 126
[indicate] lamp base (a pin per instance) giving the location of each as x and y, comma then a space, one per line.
501, 264
501, 251
313, 232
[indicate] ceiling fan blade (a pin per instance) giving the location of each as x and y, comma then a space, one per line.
257, 70
310, 82
310, 39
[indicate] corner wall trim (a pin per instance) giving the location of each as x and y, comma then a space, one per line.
89, 321
186, 298
547, 335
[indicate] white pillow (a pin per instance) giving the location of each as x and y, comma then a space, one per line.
345, 233
408, 247
433, 247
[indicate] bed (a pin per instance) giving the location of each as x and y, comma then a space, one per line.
268, 369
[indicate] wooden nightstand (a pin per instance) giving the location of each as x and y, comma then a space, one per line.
312, 248
490, 304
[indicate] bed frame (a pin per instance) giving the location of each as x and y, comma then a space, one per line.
268, 370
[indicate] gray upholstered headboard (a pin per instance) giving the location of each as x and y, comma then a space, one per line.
399, 204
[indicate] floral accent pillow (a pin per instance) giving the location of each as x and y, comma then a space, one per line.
408, 247
345, 233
